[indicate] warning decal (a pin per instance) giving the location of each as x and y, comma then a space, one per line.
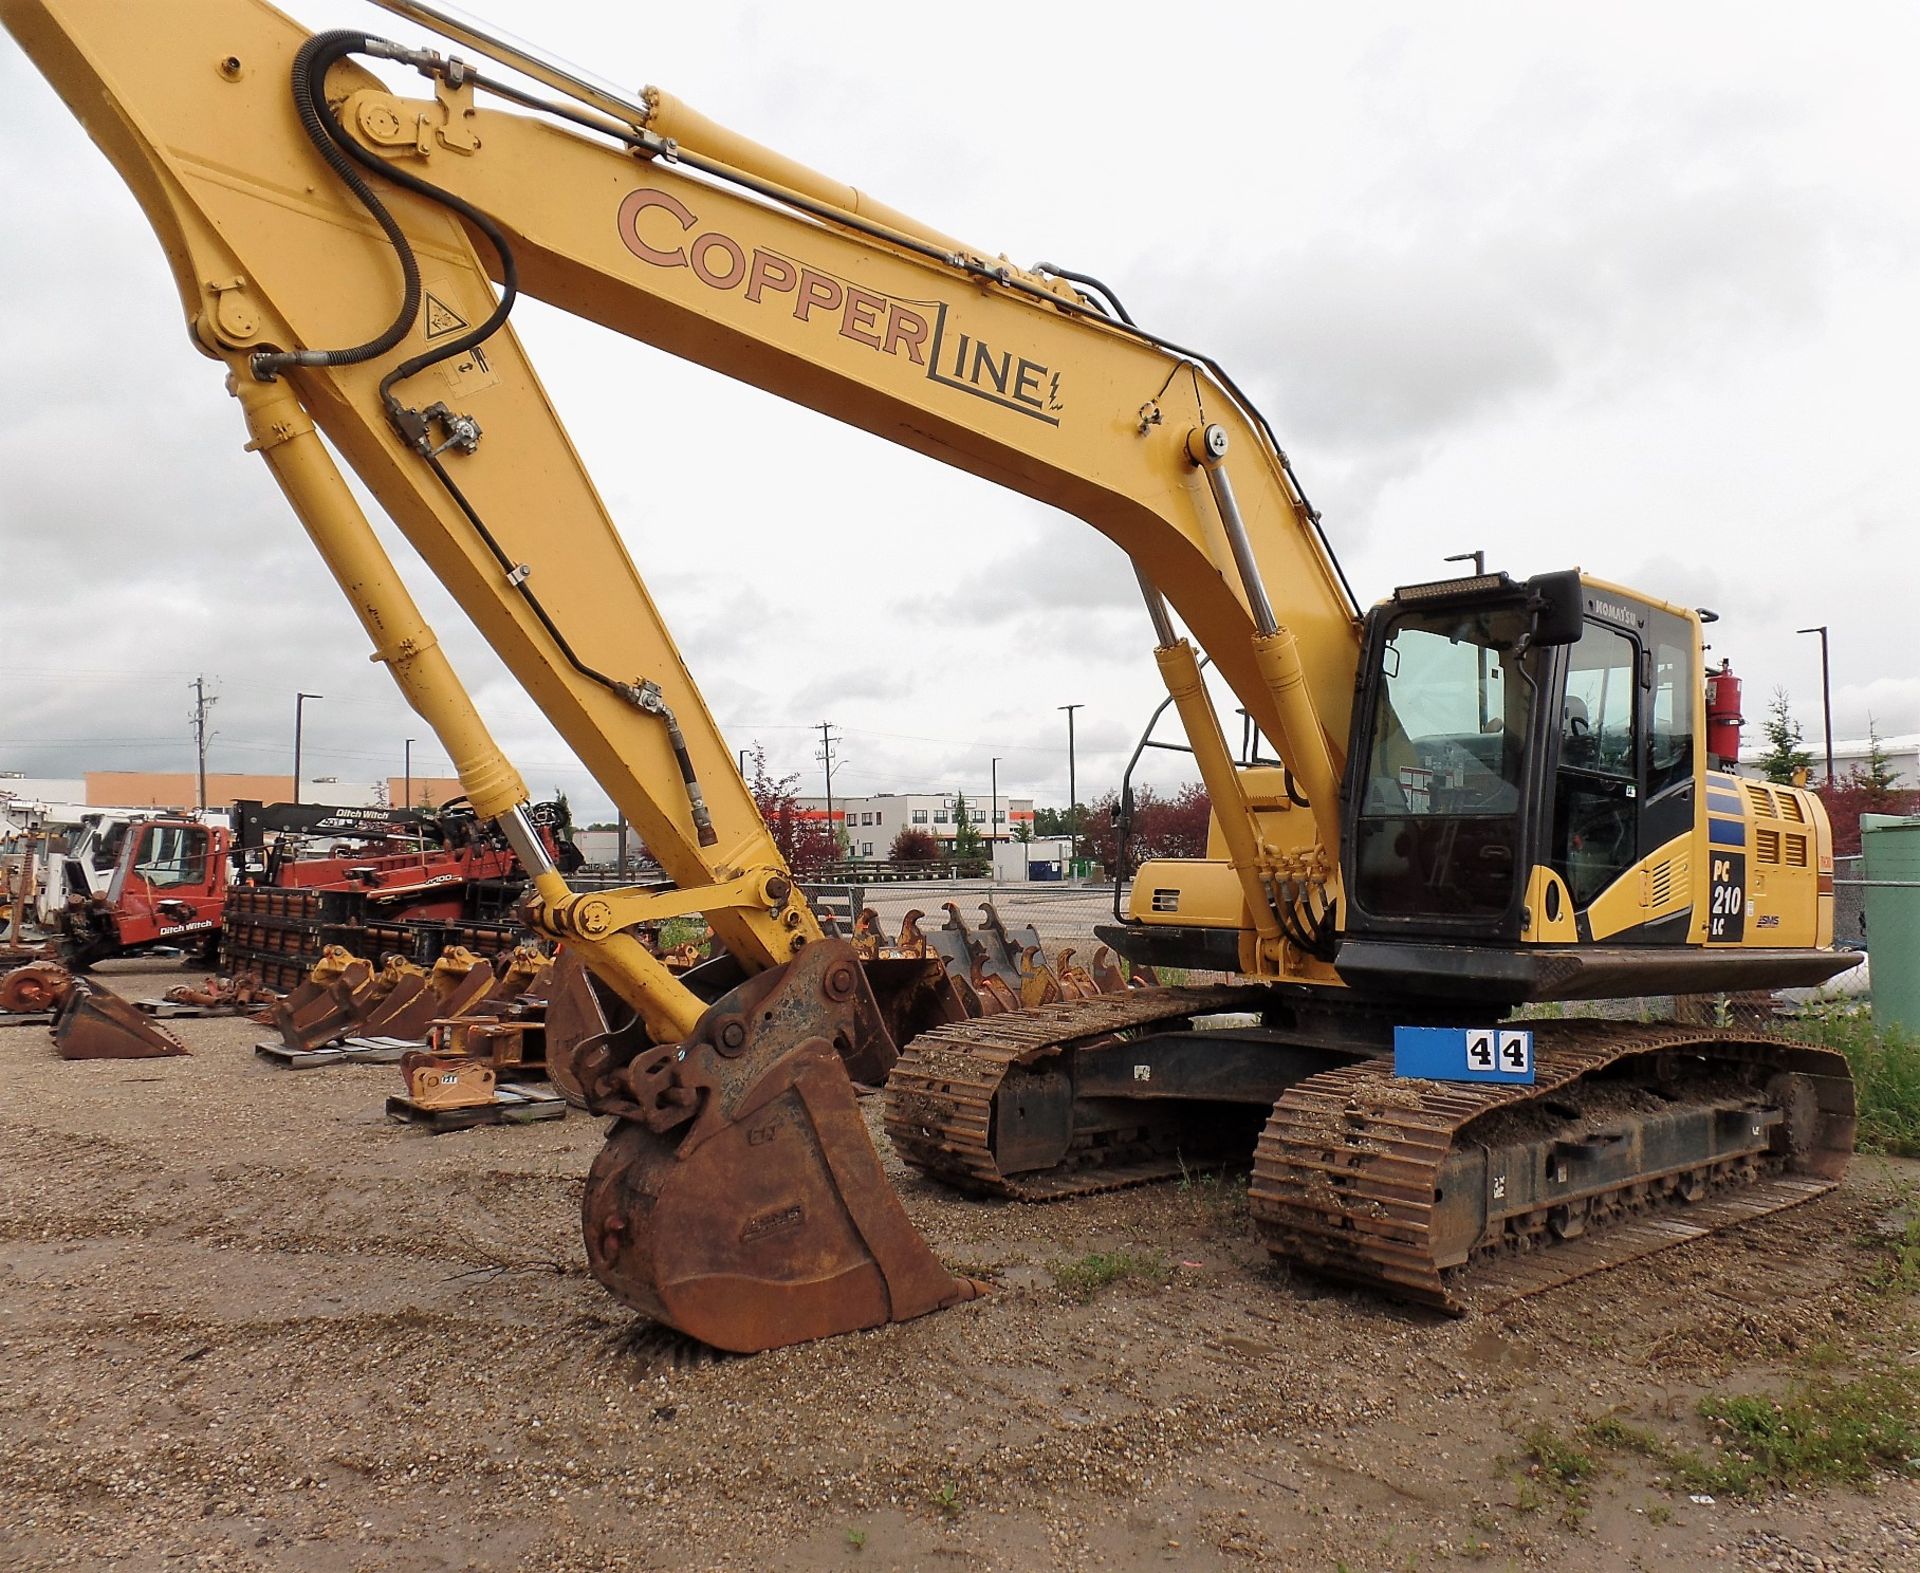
442, 319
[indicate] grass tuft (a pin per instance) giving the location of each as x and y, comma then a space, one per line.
1822, 1431
1087, 1276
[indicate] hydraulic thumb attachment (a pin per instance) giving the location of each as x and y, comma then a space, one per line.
739, 1197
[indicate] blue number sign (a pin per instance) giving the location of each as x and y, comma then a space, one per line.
1464, 1053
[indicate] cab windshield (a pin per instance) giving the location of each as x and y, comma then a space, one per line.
1439, 811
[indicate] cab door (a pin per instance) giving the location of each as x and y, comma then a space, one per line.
1624, 798
169, 884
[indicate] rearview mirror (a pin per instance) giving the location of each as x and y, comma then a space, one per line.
1556, 602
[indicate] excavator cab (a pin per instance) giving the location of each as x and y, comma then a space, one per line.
1531, 815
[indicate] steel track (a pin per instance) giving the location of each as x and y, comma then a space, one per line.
1347, 1171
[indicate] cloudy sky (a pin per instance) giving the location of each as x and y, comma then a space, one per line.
1630, 288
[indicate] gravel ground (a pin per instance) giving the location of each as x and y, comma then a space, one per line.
245, 1322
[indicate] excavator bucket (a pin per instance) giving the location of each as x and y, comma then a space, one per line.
97, 1024
458, 979
739, 1198
324, 1008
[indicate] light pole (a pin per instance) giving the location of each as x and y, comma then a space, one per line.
992, 833
406, 800
1073, 795
299, 706
1826, 694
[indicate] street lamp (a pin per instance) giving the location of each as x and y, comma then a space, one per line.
1073, 795
1826, 694
406, 797
992, 833
299, 705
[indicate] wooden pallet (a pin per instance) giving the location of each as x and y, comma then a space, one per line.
26, 1018
379, 1051
274, 1052
513, 1104
165, 1009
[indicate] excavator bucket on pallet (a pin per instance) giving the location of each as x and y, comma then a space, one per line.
458, 978
448, 1081
321, 1010
96, 1024
739, 1197
506, 1026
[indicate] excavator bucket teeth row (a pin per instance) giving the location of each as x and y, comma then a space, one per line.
739, 1198
96, 1024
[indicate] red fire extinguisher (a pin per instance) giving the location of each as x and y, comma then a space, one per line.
1723, 714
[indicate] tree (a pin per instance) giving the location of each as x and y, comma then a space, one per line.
562, 815
914, 845
966, 840
1785, 755
808, 845
1163, 827
1875, 775
1052, 822
1868, 788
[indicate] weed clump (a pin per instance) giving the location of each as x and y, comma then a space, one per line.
1089, 1274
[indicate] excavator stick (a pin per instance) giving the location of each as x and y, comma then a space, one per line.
739, 1198
96, 1024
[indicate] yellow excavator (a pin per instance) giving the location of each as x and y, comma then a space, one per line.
1480, 794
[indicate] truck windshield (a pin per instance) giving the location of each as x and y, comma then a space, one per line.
1439, 817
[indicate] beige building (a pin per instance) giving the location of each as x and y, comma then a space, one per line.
177, 790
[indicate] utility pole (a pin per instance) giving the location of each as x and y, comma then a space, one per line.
1826, 694
406, 799
827, 740
1073, 794
201, 703
299, 707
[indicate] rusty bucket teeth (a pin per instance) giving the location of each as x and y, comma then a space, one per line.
739, 1198
97, 1024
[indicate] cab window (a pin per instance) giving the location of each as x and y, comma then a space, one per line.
173, 855
1670, 718
1596, 808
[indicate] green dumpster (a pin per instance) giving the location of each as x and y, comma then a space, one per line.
1891, 867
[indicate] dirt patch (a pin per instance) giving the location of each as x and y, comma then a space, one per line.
245, 1322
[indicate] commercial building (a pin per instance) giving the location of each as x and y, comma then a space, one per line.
870, 824
1849, 754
